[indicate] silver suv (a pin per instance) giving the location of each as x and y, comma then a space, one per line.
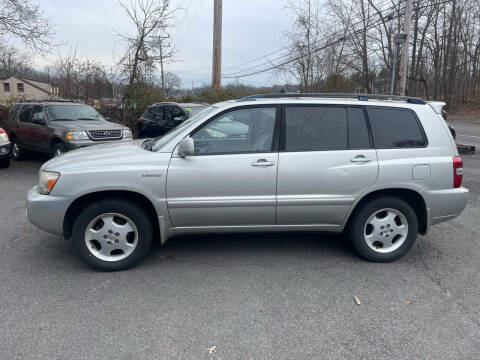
380, 168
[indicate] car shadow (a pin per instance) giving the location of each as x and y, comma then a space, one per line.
248, 247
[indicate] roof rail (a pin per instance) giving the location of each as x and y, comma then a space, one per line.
361, 97
46, 101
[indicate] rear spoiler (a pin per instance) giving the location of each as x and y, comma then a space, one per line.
437, 106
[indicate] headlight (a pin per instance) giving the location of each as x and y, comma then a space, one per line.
3, 137
126, 133
46, 181
76, 135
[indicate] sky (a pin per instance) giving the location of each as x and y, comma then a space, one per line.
251, 29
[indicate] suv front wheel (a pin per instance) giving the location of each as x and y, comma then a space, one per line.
112, 235
383, 229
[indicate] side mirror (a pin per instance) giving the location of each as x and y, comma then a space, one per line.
108, 118
186, 147
179, 118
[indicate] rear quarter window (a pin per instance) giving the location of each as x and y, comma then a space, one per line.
13, 112
395, 128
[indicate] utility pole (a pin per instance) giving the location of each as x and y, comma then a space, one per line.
161, 64
217, 46
398, 41
404, 60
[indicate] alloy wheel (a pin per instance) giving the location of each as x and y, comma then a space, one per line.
386, 230
111, 237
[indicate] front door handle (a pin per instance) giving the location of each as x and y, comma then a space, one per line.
361, 159
263, 162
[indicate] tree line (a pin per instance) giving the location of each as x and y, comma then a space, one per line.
343, 45
330, 46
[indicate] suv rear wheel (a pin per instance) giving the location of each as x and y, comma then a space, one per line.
383, 229
112, 235
18, 153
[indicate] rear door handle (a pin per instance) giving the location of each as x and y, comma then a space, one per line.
361, 159
263, 162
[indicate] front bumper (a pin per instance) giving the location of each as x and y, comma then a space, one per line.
47, 211
73, 145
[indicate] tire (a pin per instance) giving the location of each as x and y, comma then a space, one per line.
58, 149
4, 163
383, 229
18, 152
111, 245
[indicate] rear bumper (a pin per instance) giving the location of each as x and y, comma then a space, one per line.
73, 145
445, 204
47, 211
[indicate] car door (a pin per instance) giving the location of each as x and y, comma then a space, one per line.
326, 160
39, 134
231, 179
154, 123
23, 126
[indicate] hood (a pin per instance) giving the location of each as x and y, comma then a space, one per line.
88, 125
103, 155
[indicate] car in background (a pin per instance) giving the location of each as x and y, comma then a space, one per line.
57, 127
4, 149
159, 118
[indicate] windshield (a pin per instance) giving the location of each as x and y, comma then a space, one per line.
160, 141
72, 112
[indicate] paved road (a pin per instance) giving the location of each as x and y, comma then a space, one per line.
468, 131
283, 296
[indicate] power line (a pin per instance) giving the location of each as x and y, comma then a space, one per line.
273, 67
233, 75
285, 48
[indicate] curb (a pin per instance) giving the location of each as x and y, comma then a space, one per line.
466, 149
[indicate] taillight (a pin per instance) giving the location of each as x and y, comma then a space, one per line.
139, 120
457, 171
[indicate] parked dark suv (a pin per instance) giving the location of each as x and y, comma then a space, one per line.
57, 127
161, 117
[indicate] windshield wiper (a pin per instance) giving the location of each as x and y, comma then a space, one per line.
87, 119
60, 119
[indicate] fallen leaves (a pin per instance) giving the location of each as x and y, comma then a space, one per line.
212, 349
357, 300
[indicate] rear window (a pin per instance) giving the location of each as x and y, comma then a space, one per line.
395, 128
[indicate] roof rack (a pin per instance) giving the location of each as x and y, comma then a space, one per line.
46, 101
361, 97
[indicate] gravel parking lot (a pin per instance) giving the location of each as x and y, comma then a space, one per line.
269, 296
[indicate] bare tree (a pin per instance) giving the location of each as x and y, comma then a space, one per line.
25, 21
152, 20
171, 81
13, 61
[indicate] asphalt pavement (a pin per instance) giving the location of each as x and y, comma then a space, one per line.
254, 296
468, 131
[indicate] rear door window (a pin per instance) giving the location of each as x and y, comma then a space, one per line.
314, 128
156, 113
395, 128
358, 137
25, 113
